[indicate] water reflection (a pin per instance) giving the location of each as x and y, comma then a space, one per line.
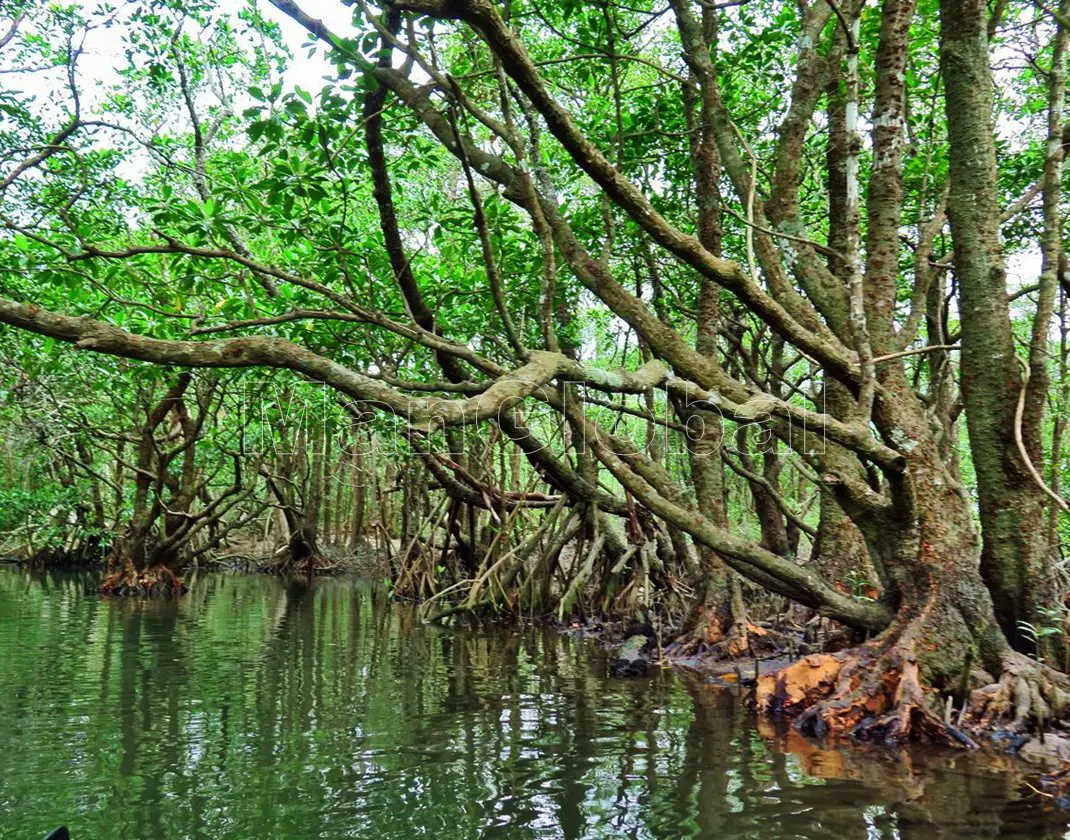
252, 708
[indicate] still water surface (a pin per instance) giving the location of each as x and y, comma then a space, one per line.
255, 709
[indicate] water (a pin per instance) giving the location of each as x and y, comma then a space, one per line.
252, 709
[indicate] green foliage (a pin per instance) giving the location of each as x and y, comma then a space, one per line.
213, 193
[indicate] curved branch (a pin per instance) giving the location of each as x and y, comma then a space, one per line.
518, 64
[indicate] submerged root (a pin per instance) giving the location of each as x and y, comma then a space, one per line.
155, 580
864, 693
1027, 695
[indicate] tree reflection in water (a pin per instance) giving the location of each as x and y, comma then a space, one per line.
252, 707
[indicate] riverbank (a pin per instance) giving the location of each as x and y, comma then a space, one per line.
1040, 758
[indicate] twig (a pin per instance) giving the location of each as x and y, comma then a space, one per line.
802, 240
750, 203
915, 351
1019, 411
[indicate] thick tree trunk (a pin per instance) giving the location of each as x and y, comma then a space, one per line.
843, 552
840, 549
947, 632
299, 505
945, 635
719, 616
303, 548
774, 528
1014, 558
356, 527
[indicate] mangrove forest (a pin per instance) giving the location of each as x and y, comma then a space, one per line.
516, 418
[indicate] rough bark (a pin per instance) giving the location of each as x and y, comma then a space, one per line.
946, 628
1014, 558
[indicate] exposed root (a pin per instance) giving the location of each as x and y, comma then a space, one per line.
864, 693
717, 635
155, 580
287, 564
84, 555
797, 687
875, 693
1027, 695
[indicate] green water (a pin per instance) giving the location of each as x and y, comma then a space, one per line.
252, 709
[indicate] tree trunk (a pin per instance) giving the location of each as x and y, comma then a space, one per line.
356, 529
136, 564
1014, 557
338, 507
945, 634
719, 615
